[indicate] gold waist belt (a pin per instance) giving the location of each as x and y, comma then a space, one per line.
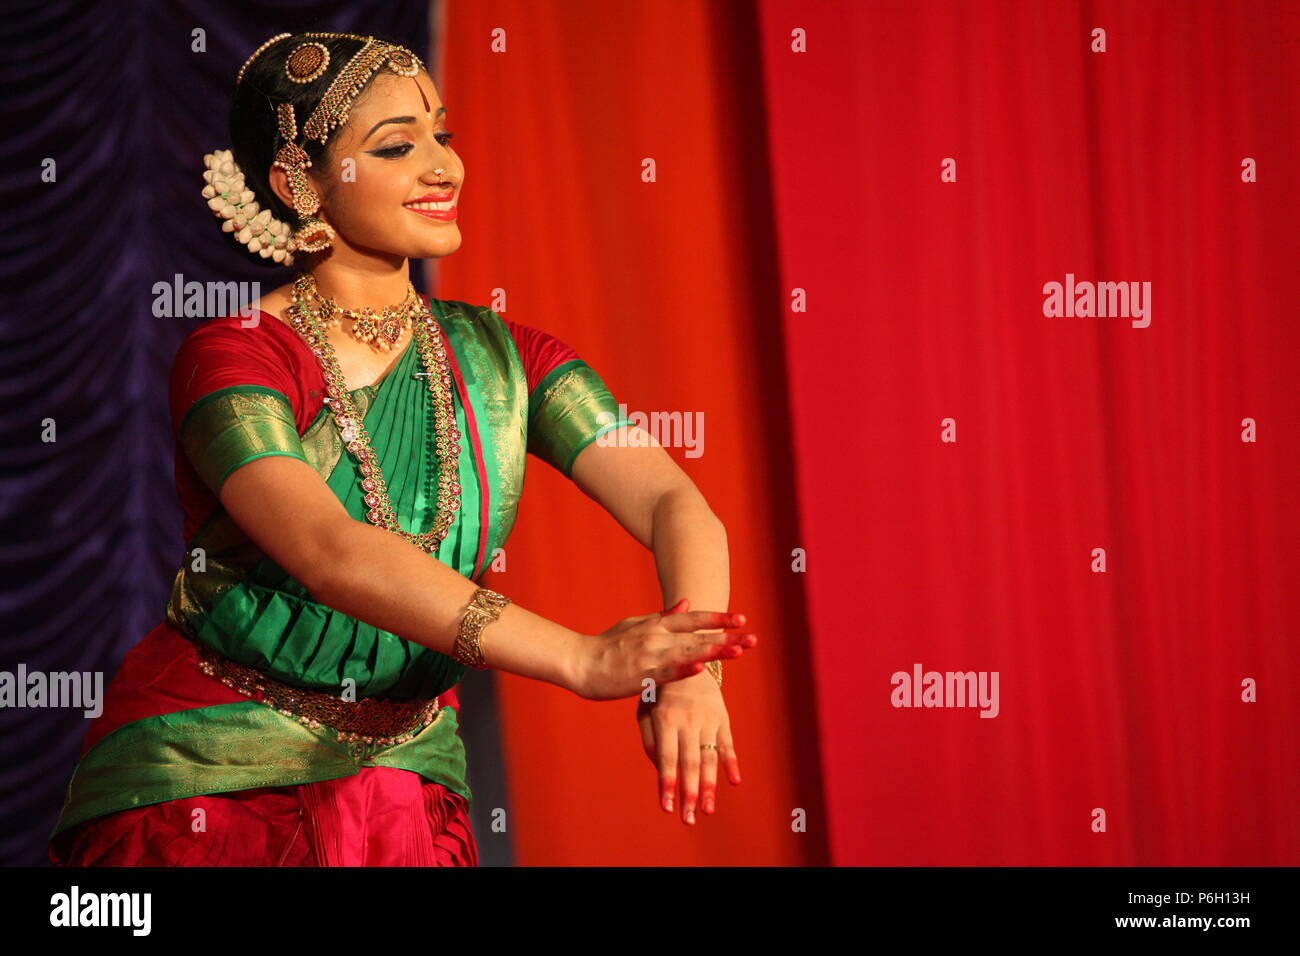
371, 720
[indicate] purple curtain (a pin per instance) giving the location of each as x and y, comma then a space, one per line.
117, 97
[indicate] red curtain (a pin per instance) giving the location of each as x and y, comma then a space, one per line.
802, 273
667, 289
1120, 691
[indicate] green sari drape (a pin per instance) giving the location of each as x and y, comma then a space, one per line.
249, 609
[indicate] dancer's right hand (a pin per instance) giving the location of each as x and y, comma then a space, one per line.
661, 646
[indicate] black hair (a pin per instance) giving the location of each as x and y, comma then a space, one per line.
254, 130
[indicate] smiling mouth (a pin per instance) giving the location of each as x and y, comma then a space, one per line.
440, 207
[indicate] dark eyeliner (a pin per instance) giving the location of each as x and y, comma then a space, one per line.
392, 152
400, 150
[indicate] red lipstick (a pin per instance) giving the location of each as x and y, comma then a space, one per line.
446, 200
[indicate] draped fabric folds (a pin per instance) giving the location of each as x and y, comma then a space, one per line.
1100, 509
380, 817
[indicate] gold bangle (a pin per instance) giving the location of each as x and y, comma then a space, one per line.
484, 608
715, 668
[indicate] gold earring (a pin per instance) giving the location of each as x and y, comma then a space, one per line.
305, 200
293, 159
314, 234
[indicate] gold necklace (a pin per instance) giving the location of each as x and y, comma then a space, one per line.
430, 340
383, 329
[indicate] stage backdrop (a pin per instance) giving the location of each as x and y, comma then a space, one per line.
966, 462
667, 286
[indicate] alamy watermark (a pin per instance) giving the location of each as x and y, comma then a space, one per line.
207, 300
1103, 300
669, 429
76, 908
946, 689
78, 690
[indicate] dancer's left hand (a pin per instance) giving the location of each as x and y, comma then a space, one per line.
686, 714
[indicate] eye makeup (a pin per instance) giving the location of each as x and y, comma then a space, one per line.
398, 150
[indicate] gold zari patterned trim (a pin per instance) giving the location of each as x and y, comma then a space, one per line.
233, 426
569, 412
370, 720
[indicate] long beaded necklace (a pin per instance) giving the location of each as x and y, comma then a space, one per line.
429, 339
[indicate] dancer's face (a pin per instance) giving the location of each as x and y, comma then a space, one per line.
381, 170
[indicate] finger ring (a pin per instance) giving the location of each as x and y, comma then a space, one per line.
708, 746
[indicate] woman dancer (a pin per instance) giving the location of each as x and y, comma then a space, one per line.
275, 717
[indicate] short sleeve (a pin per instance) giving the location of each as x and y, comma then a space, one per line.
229, 397
569, 406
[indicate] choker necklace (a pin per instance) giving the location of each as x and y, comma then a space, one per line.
429, 339
379, 330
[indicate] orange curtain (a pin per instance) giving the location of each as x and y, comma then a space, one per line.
664, 287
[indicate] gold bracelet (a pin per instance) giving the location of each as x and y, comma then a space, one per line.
484, 608
715, 668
